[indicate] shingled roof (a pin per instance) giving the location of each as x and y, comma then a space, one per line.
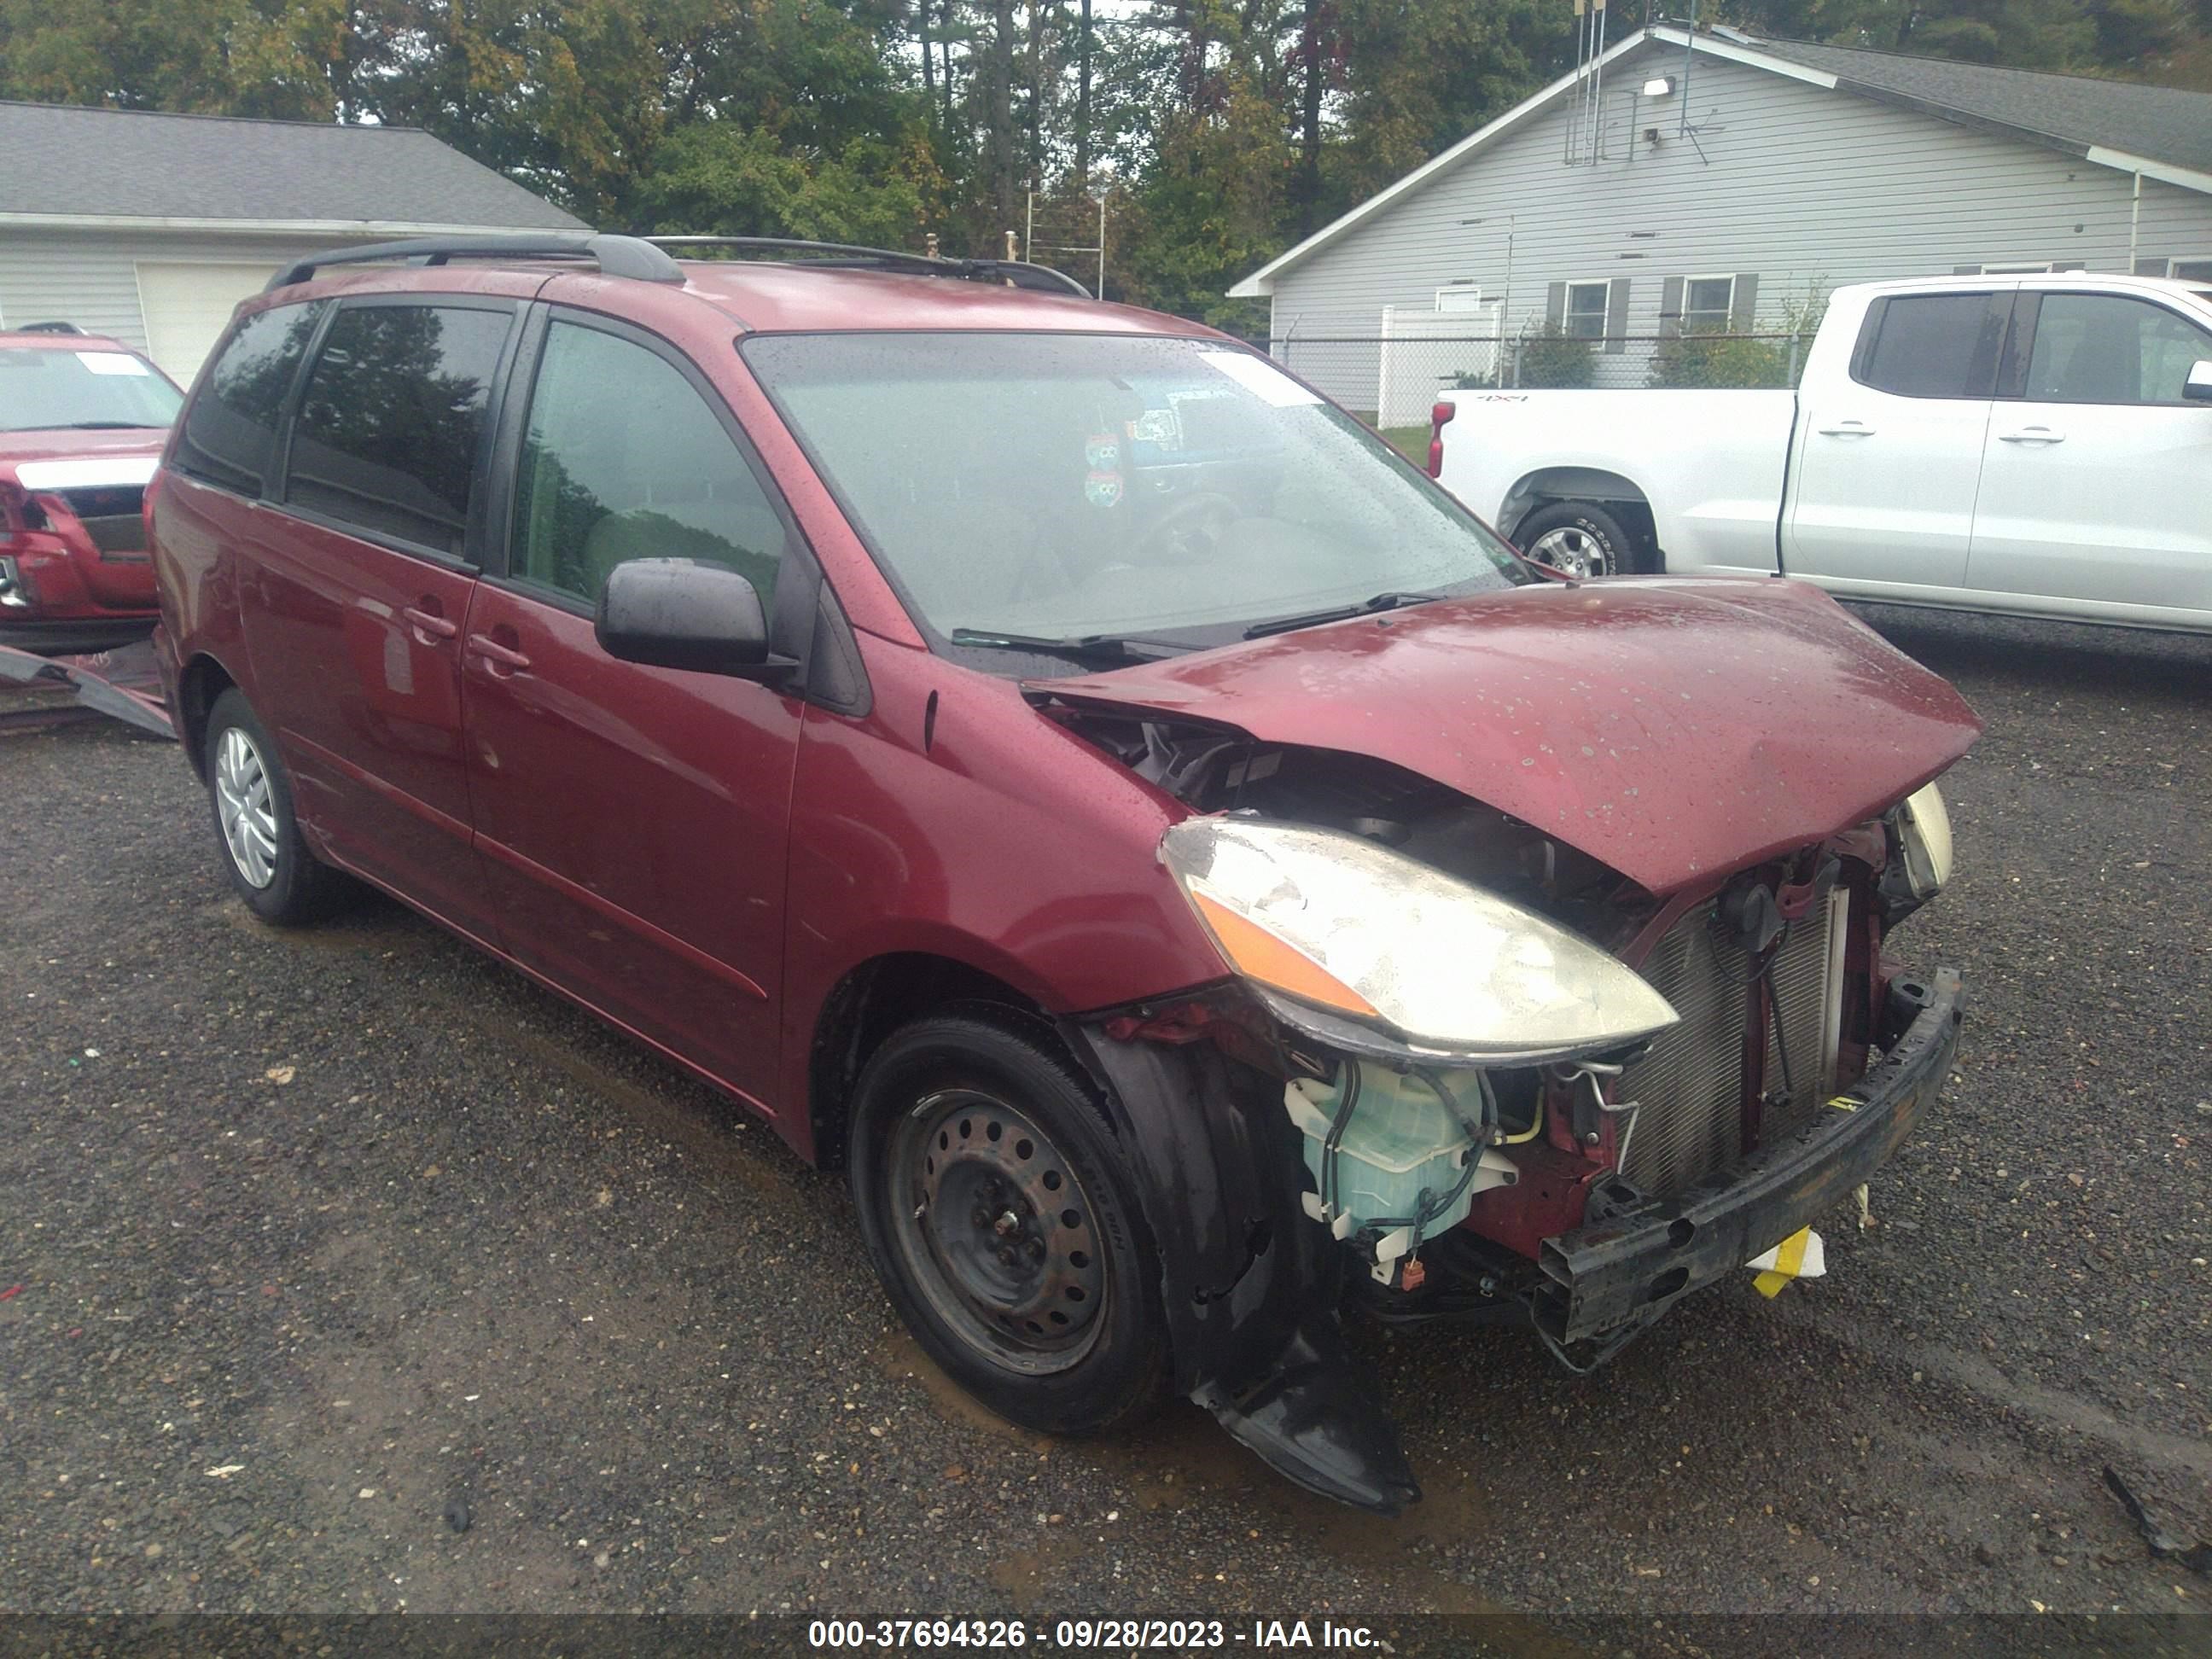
2071, 112
63, 161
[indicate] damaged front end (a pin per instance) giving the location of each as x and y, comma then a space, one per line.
1468, 1071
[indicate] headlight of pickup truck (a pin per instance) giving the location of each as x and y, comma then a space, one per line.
1321, 920
1923, 841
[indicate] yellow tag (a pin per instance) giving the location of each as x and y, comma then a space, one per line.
1790, 1256
1844, 1104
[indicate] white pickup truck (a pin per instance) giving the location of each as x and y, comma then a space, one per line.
2039, 446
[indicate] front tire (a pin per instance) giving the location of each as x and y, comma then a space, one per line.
1004, 1222
269, 865
1579, 540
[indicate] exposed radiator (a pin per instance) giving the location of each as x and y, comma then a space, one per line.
1691, 1084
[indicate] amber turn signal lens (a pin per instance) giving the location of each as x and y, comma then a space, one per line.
1259, 954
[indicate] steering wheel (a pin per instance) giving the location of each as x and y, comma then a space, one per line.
1186, 531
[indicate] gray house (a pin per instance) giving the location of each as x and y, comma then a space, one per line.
1715, 181
150, 226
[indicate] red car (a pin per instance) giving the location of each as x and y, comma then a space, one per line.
1049, 762
82, 420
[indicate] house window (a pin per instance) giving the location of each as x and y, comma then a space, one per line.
1708, 303
2192, 271
1586, 310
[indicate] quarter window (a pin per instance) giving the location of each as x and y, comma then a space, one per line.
1586, 305
625, 459
1932, 345
230, 430
1708, 303
2106, 349
393, 418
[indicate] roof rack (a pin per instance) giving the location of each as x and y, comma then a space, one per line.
842, 256
617, 256
50, 328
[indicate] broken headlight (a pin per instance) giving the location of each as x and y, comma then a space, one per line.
1923, 826
1333, 929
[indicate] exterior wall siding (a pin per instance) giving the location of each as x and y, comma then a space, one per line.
1803, 186
91, 279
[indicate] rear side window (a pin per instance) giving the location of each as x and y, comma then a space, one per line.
393, 418
230, 430
1932, 345
623, 459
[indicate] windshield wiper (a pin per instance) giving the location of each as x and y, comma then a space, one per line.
94, 426
1368, 607
1101, 647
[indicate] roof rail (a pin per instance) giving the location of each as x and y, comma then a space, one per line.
842, 256
617, 256
49, 328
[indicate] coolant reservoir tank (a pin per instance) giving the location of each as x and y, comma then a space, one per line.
1404, 1140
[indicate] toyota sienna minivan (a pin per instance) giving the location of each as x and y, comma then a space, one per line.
1050, 762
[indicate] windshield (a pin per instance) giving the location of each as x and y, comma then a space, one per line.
1068, 487
43, 389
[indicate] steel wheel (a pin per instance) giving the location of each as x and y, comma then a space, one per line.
1572, 551
245, 807
997, 1232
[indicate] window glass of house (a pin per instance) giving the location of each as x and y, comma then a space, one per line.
392, 420
623, 459
2104, 349
231, 427
1934, 345
1706, 303
1586, 310
2193, 270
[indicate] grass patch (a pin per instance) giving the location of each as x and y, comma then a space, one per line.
1410, 441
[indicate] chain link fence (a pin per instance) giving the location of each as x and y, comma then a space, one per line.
1392, 379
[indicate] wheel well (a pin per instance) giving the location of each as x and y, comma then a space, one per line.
1547, 485
867, 1005
204, 680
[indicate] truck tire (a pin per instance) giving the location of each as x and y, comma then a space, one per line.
1580, 538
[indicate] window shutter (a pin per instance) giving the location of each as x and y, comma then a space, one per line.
2151, 267
1670, 306
1555, 305
1616, 315
1743, 315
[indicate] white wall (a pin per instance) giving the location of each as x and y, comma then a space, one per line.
1795, 183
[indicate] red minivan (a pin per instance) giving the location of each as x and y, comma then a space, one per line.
1049, 762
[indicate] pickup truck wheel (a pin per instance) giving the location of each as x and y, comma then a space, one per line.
1576, 538
1004, 1222
268, 862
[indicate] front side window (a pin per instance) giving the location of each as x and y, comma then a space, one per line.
2106, 348
1586, 310
1932, 345
1708, 302
1070, 485
625, 459
230, 430
392, 420
98, 389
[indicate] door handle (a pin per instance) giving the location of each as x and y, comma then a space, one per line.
1847, 430
504, 659
425, 623
2032, 435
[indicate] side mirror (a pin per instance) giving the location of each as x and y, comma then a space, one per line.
679, 613
2197, 388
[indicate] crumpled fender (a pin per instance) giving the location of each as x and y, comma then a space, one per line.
1251, 1285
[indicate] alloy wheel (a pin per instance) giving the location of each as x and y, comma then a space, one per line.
1573, 551
247, 807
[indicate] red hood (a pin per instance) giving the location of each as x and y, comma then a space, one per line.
18, 446
1671, 729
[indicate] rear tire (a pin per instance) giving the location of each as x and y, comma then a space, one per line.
1005, 1224
250, 798
1580, 539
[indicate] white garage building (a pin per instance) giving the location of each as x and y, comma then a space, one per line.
150, 226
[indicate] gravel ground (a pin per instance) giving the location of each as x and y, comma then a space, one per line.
358, 1274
